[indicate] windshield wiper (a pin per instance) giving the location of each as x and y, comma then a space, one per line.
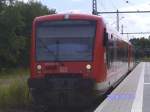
49, 51
56, 56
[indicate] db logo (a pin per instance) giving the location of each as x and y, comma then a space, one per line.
63, 69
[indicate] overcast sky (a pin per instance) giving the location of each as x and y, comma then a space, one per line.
131, 22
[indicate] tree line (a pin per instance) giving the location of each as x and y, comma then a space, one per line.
142, 47
15, 30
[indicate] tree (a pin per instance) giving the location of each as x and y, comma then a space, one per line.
15, 31
142, 46
29, 11
10, 21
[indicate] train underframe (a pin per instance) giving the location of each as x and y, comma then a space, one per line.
62, 91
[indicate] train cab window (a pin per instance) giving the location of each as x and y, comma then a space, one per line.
69, 40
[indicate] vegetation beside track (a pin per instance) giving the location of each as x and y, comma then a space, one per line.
14, 91
146, 59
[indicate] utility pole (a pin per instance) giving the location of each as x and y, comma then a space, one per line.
122, 28
94, 12
117, 21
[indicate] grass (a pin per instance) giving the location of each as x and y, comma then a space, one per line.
14, 91
146, 59
11, 73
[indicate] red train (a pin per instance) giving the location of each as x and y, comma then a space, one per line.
75, 58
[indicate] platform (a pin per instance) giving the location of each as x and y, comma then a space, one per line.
132, 94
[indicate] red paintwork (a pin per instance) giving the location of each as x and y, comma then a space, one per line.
99, 68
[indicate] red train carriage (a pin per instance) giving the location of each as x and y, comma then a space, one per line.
75, 58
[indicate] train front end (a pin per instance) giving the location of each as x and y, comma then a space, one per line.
62, 60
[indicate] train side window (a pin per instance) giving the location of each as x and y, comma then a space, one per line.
109, 51
111, 36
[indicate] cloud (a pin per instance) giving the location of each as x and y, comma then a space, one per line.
138, 21
28, 0
76, 0
76, 11
133, 22
73, 11
23, 0
144, 6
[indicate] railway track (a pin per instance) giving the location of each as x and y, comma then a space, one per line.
31, 109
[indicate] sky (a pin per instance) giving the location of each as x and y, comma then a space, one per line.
131, 22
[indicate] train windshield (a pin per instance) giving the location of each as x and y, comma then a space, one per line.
68, 40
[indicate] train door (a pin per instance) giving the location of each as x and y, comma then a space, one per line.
110, 58
107, 47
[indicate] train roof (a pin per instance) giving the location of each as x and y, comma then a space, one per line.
116, 33
70, 15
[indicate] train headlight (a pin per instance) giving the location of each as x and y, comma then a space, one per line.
39, 67
88, 67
